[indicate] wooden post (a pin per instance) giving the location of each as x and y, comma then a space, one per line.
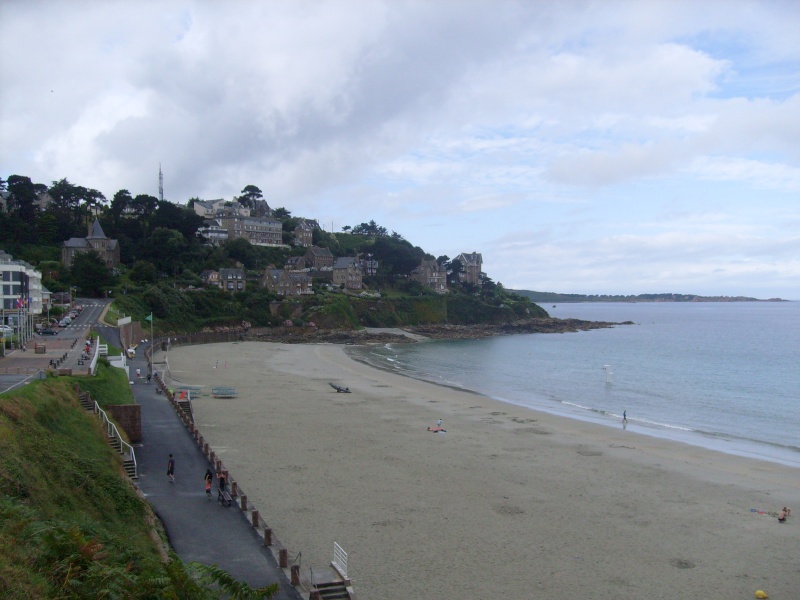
268, 537
255, 518
244, 503
234, 491
219, 465
295, 574
283, 558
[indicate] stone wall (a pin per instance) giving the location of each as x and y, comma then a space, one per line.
129, 417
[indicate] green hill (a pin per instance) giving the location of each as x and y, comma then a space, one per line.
71, 525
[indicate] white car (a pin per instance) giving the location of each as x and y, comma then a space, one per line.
6, 330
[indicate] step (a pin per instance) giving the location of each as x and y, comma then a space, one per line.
334, 590
130, 469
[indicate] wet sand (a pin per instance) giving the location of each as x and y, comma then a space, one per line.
509, 503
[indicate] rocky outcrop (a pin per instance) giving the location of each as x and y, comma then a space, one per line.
365, 336
527, 326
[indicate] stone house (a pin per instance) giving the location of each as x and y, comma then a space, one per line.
319, 258
347, 273
287, 283
304, 232
210, 278
296, 263
431, 274
232, 280
259, 231
472, 263
96, 240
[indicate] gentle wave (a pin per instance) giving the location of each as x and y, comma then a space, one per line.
720, 375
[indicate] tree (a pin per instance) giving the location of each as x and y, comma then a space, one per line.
119, 203
346, 228
454, 272
23, 197
281, 213
164, 249
243, 251
250, 194
143, 272
371, 228
144, 204
90, 274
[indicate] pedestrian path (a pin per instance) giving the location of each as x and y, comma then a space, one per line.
199, 529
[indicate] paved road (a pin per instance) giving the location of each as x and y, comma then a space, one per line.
199, 529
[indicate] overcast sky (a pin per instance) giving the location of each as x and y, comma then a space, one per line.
585, 147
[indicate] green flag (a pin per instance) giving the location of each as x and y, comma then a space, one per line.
149, 317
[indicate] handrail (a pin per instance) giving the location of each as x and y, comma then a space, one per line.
112, 431
339, 560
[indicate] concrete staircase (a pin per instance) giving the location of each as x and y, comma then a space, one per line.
86, 401
334, 590
186, 408
127, 464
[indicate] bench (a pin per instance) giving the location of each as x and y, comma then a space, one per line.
224, 498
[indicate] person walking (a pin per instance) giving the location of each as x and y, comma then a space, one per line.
221, 477
171, 469
208, 478
138, 373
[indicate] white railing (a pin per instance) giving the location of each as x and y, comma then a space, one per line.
112, 432
339, 560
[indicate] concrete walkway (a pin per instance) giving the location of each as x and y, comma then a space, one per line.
199, 529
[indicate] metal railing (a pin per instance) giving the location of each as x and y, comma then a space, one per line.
339, 560
113, 432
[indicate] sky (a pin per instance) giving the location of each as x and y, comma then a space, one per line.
594, 147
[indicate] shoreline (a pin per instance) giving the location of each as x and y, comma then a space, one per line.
509, 502
740, 447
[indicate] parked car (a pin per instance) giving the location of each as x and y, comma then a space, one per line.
6, 330
49, 332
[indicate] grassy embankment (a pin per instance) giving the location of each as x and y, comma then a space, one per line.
71, 524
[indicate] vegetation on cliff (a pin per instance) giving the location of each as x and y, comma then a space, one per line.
71, 525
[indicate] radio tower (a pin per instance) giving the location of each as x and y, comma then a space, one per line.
160, 183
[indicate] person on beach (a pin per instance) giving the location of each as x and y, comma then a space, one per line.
171, 469
439, 423
625, 416
209, 476
782, 516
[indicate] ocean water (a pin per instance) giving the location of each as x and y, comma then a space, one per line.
718, 375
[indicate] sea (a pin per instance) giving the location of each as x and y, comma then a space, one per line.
720, 375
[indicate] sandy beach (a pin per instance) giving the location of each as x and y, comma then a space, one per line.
509, 503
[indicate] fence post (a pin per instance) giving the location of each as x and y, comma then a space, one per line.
295, 574
268, 537
255, 518
283, 558
244, 503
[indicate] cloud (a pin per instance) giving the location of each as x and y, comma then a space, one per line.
590, 125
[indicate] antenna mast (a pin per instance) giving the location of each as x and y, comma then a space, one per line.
160, 184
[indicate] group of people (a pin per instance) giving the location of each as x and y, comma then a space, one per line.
221, 481
222, 477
